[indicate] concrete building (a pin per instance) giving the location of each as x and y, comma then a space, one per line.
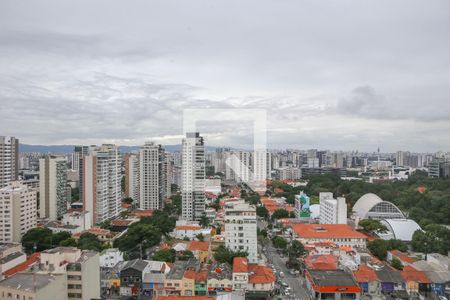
132, 176
193, 177
289, 173
82, 269
240, 228
102, 183
332, 211
9, 159
17, 211
33, 286
11, 255
53, 187
238, 166
152, 176
110, 257
81, 219
340, 234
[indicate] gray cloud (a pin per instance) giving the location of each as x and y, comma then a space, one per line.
336, 75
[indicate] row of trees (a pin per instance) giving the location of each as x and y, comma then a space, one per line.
40, 239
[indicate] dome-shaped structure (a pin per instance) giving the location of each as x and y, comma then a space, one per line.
370, 206
400, 229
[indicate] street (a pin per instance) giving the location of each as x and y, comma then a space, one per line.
294, 282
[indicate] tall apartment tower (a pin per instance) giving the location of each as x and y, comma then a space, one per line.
193, 177
102, 183
240, 229
9, 159
53, 187
132, 176
239, 166
79, 153
19, 211
152, 176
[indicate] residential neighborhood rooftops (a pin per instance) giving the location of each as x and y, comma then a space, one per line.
28, 281
240, 265
365, 274
260, 274
136, 264
198, 246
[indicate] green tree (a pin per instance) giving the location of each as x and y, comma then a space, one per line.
223, 254
140, 235
89, 241
200, 237
185, 255
70, 242
378, 248
296, 249
261, 211
279, 214
37, 239
167, 255
279, 242
161, 220
128, 200
204, 221
396, 263
371, 225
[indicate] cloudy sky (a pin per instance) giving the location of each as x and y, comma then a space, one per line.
330, 74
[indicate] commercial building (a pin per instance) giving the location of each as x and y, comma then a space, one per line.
53, 187
152, 176
332, 211
132, 176
340, 234
102, 183
256, 281
17, 211
193, 177
9, 159
240, 228
331, 284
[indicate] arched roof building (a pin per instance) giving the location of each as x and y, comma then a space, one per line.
370, 206
399, 229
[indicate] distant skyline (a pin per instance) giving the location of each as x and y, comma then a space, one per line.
332, 75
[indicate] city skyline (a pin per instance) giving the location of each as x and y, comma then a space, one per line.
323, 81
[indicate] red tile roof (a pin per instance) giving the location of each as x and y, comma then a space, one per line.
326, 231
260, 274
411, 274
190, 274
402, 256
365, 274
188, 227
198, 246
141, 213
240, 265
322, 262
33, 258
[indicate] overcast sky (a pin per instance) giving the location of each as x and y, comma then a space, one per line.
331, 74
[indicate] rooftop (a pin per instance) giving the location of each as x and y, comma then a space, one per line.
365, 274
199, 246
240, 265
260, 274
326, 231
136, 264
331, 278
28, 281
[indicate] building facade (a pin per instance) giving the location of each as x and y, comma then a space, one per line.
193, 177
17, 211
53, 187
132, 176
102, 183
9, 159
332, 211
240, 228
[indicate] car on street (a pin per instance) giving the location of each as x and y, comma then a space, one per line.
281, 274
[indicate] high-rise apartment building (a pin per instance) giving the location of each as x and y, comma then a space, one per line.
53, 187
240, 228
102, 183
132, 176
152, 176
18, 205
9, 159
193, 177
238, 167
332, 211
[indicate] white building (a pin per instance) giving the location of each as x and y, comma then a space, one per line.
188, 229
332, 211
193, 177
76, 218
9, 159
289, 173
110, 257
213, 186
132, 176
240, 228
17, 211
53, 187
238, 166
152, 176
102, 183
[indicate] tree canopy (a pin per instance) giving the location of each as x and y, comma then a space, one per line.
223, 254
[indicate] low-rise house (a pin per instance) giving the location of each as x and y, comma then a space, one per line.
220, 278
240, 274
437, 269
200, 250
11, 255
81, 219
367, 280
390, 279
131, 277
174, 279
187, 231
104, 235
34, 286
321, 262
31, 263
416, 281
256, 281
188, 286
331, 284
321, 248
401, 256
154, 276
201, 283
